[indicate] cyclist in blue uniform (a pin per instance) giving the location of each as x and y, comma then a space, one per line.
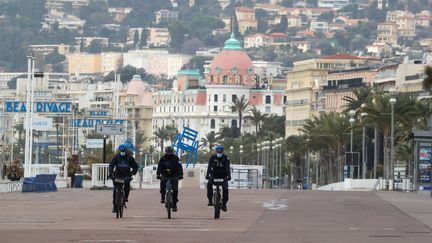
123, 166
169, 168
218, 168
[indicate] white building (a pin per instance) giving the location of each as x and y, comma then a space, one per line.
335, 4
157, 62
111, 61
205, 105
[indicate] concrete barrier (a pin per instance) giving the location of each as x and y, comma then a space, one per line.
352, 185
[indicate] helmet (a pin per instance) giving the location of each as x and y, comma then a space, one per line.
122, 148
219, 149
169, 150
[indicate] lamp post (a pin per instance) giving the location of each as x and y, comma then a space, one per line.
241, 154
258, 152
351, 121
307, 164
393, 103
363, 115
280, 161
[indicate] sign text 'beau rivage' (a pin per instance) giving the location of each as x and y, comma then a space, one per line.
39, 107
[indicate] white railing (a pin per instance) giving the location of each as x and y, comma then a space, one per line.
37, 169
12, 186
99, 175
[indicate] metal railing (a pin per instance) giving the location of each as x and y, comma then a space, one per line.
12, 186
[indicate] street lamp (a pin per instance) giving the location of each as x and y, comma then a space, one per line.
241, 154
393, 103
307, 163
351, 121
363, 115
258, 151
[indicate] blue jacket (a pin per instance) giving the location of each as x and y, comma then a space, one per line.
122, 167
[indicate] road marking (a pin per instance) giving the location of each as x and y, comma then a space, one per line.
276, 205
126, 241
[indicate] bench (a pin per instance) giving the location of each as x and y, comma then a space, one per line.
40, 183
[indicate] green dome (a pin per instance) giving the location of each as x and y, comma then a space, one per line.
232, 43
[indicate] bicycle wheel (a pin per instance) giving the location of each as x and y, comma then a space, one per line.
121, 208
117, 202
168, 202
216, 204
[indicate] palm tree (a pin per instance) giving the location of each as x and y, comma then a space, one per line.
257, 117
361, 96
327, 134
161, 134
226, 132
407, 114
210, 139
240, 106
427, 81
172, 132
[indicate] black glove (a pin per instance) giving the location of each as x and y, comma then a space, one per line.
207, 177
180, 177
158, 177
228, 178
111, 176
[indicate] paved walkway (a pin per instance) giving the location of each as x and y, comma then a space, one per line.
74, 215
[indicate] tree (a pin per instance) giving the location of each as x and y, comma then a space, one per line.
257, 117
126, 74
240, 106
144, 37
161, 135
95, 46
427, 81
136, 38
191, 46
177, 33
234, 25
283, 25
81, 48
361, 96
327, 16
287, 3
197, 62
54, 57
209, 140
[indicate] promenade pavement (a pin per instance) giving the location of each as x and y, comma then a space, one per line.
77, 215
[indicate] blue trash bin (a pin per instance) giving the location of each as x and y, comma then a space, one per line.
78, 181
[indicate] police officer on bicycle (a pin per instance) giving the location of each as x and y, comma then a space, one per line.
169, 168
218, 168
123, 166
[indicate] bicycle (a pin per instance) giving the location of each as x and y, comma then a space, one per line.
217, 198
119, 202
169, 201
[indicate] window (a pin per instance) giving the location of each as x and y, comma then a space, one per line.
224, 98
268, 99
267, 109
285, 99
234, 123
215, 108
212, 123
215, 98
233, 98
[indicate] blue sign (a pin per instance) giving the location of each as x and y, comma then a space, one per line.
93, 122
39, 106
98, 113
